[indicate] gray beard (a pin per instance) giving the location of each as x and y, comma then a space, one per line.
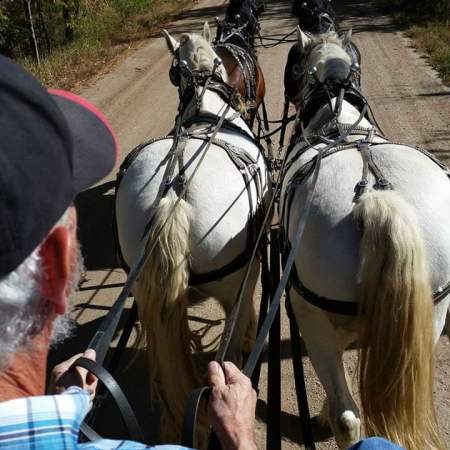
64, 324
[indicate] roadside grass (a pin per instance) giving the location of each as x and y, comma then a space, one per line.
102, 34
430, 33
434, 38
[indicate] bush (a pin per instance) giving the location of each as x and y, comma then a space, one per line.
422, 10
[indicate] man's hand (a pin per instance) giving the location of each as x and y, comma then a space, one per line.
63, 376
232, 406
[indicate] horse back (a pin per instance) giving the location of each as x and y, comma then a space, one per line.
328, 260
221, 203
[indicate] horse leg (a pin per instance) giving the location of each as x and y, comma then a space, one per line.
325, 344
441, 318
447, 324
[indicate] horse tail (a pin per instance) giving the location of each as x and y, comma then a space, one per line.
162, 295
396, 335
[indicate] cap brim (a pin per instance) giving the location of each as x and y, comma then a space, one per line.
95, 147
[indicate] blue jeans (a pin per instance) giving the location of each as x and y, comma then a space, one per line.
375, 444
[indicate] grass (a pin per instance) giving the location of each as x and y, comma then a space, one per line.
429, 34
434, 38
101, 36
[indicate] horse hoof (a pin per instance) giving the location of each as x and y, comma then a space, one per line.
348, 430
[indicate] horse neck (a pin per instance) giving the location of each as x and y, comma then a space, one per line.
212, 104
349, 115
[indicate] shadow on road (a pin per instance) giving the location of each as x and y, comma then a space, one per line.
291, 427
95, 218
353, 10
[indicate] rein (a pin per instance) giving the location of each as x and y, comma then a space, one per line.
284, 39
190, 420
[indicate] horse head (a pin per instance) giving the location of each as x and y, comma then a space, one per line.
323, 59
193, 54
242, 15
315, 16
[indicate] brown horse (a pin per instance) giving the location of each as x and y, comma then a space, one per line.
235, 46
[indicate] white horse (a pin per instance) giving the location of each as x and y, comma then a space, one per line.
208, 230
383, 254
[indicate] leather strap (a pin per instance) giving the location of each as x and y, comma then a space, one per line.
346, 308
189, 428
89, 432
299, 378
128, 416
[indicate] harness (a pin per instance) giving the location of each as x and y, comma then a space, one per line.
236, 37
315, 17
180, 135
366, 146
247, 167
246, 61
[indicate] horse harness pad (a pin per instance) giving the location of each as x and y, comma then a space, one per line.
245, 164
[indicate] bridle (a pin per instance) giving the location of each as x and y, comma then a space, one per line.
198, 81
314, 91
317, 19
233, 30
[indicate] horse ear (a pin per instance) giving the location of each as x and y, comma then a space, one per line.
303, 40
172, 43
347, 38
207, 32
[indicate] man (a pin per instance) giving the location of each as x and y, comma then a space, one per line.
53, 145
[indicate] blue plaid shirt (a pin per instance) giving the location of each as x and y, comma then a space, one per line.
52, 422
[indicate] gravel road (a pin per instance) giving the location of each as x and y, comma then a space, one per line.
408, 99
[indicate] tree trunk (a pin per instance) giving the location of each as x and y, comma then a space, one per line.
43, 26
68, 28
33, 41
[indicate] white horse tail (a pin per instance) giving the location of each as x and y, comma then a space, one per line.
396, 362
162, 295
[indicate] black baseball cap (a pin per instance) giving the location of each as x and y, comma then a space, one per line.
53, 145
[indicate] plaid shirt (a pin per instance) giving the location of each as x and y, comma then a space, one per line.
52, 422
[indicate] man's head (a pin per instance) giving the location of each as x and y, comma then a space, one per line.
52, 146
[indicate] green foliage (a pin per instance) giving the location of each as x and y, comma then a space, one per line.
434, 38
14, 33
78, 38
128, 8
418, 10
58, 23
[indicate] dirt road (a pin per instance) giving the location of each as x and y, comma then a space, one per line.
408, 100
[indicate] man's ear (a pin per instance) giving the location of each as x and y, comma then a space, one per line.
172, 43
55, 252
